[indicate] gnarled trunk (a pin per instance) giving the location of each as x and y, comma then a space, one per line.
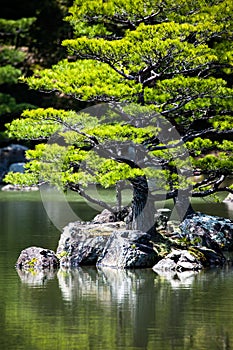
142, 216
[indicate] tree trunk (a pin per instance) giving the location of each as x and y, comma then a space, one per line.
142, 216
182, 204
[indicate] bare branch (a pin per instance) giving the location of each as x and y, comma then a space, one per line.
78, 189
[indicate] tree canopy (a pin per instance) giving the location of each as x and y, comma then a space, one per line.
24, 30
158, 76
12, 57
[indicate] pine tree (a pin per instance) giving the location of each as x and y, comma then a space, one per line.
158, 76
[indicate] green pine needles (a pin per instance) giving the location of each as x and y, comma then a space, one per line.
156, 67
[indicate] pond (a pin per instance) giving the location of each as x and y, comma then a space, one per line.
103, 309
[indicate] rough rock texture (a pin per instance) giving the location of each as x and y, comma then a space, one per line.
104, 217
82, 243
102, 242
180, 260
128, 249
210, 231
37, 258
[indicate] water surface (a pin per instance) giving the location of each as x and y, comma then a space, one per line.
104, 309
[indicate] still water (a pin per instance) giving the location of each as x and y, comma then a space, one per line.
104, 309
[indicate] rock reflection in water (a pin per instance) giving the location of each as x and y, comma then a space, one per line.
36, 278
183, 279
125, 291
104, 284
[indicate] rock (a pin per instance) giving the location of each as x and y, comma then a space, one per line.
19, 188
83, 243
161, 218
195, 259
128, 249
178, 260
10, 154
229, 198
111, 216
208, 256
105, 216
108, 243
17, 167
36, 258
210, 231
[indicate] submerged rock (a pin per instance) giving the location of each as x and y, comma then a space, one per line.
35, 278
37, 258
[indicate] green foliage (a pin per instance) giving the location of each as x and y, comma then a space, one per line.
85, 80
11, 56
13, 32
199, 145
9, 74
27, 179
42, 123
222, 162
170, 58
113, 18
8, 105
17, 29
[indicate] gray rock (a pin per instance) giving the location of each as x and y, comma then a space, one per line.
37, 258
104, 217
166, 264
10, 154
206, 230
128, 249
83, 243
17, 167
178, 260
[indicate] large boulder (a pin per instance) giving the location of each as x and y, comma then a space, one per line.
83, 243
206, 230
128, 249
37, 258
